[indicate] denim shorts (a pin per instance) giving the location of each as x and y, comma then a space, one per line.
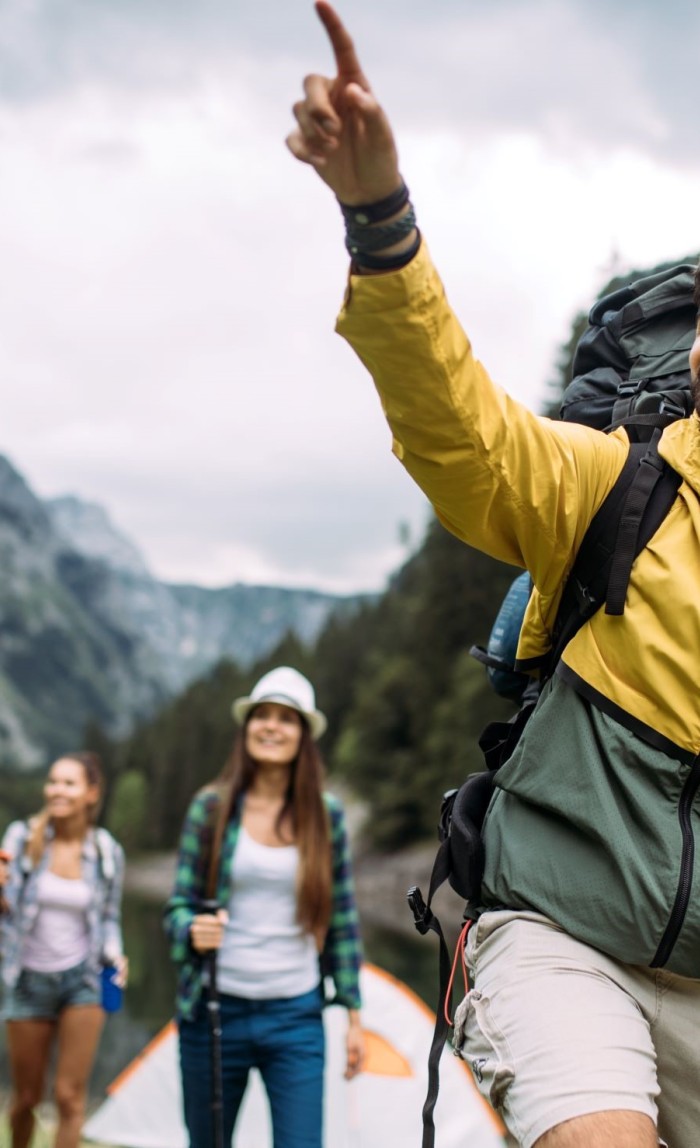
42, 996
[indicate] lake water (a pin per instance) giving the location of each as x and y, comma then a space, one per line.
148, 1002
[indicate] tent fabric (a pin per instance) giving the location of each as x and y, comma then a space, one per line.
381, 1106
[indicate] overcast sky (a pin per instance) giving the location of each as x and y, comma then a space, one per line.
169, 276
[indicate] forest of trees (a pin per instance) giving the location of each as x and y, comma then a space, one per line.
405, 700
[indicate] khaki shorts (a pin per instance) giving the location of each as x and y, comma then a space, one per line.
554, 1029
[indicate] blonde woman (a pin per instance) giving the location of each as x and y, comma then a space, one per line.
61, 891
271, 847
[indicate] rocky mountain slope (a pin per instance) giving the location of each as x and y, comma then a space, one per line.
88, 634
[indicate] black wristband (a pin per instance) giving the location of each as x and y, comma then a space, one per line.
366, 262
366, 213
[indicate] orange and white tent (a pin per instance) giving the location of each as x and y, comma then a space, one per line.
380, 1108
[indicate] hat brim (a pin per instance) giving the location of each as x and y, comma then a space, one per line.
317, 722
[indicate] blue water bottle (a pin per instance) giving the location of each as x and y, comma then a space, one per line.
111, 991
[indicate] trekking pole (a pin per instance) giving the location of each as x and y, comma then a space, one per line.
214, 1015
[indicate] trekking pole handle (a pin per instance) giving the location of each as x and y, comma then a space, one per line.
211, 907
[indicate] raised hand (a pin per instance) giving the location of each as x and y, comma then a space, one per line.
341, 130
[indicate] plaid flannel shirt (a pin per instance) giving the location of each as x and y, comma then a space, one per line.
99, 854
342, 952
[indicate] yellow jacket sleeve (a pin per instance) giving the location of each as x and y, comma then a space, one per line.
518, 486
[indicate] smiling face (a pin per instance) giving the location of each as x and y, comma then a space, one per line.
273, 734
67, 791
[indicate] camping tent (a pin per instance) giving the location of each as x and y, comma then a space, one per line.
381, 1107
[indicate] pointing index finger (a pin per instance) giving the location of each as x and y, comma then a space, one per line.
348, 65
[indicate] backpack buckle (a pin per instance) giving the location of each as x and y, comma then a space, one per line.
422, 915
673, 410
629, 387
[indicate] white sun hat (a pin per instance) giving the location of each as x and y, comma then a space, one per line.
288, 687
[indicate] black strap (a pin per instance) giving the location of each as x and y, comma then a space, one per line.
635, 507
499, 738
630, 538
585, 587
489, 660
425, 921
656, 420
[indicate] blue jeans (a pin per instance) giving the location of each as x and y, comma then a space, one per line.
283, 1039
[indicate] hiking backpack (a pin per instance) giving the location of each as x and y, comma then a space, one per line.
630, 369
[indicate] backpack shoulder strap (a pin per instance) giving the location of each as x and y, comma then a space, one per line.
26, 863
635, 507
105, 851
649, 499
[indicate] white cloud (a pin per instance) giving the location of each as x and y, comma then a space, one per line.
170, 277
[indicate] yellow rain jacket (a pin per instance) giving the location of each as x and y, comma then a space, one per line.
594, 820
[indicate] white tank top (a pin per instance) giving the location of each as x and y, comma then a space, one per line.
59, 938
265, 952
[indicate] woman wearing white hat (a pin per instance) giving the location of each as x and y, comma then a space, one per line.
269, 846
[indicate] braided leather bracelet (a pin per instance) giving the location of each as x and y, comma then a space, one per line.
368, 213
368, 239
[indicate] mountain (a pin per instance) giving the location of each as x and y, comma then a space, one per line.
88, 634
59, 666
246, 622
189, 628
89, 530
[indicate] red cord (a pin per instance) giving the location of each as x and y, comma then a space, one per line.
459, 952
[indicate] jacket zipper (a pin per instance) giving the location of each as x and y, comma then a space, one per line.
685, 880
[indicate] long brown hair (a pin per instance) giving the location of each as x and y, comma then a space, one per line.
92, 768
304, 807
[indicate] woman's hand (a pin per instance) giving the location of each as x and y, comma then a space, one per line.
207, 931
355, 1046
341, 130
121, 976
5, 859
